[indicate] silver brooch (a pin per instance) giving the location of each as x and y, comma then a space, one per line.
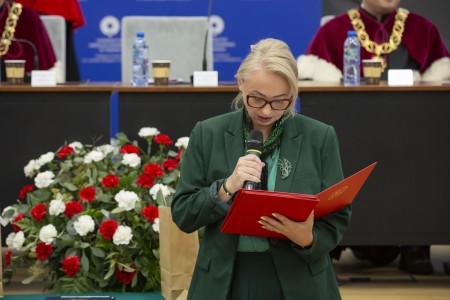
285, 167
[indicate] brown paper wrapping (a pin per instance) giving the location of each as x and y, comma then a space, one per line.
178, 254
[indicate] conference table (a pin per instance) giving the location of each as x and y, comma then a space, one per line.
405, 129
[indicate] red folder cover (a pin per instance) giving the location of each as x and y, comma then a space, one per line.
250, 205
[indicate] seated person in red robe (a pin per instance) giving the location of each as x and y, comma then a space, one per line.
420, 46
26, 38
71, 11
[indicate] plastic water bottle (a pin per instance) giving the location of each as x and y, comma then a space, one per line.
352, 52
140, 61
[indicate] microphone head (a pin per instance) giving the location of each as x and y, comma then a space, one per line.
254, 141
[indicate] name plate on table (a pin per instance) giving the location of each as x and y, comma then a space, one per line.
43, 78
400, 77
206, 78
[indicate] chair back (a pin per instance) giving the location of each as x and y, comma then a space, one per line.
56, 29
178, 39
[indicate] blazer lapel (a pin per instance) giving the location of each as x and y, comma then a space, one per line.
291, 141
234, 141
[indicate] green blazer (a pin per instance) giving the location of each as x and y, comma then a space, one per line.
214, 148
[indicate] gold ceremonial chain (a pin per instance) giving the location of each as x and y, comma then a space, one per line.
387, 47
10, 27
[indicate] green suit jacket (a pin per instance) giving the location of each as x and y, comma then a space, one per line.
214, 148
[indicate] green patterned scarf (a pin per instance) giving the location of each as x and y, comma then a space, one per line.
272, 142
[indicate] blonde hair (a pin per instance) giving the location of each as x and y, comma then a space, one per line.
274, 56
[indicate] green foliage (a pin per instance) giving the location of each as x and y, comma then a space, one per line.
102, 258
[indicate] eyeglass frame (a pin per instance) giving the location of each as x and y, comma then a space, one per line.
269, 102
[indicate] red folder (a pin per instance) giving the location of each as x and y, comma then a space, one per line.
250, 205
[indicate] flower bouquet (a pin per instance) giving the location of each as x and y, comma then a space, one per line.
89, 223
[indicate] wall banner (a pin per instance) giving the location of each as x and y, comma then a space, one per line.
236, 24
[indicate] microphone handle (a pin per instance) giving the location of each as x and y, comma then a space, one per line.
250, 185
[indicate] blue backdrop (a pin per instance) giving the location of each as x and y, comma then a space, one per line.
235, 23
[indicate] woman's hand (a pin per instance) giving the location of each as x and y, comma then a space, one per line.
248, 168
298, 232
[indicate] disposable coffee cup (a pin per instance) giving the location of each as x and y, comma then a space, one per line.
372, 69
161, 71
15, 71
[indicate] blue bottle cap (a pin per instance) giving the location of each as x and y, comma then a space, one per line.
140, 34
351, 33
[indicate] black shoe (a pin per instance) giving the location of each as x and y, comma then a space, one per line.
416, 260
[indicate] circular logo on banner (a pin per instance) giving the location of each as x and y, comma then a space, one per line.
217, 25
110, 26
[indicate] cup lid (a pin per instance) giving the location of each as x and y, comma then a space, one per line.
14, 60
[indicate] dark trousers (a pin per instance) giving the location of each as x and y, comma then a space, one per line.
255, 278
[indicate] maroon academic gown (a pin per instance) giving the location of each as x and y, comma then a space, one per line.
421, 39
30, 28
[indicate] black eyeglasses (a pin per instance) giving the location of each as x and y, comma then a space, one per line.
258, 102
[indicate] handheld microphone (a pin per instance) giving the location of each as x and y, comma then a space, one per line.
33, 46
254, 147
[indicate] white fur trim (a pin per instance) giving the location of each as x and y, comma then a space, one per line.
314, 68
438, 71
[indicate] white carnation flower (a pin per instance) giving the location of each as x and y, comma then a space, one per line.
57, 206
32, 166
6, 221
95, 156
106, 149
10, 239
84, 224
159, 186
126, 200
46, 158
76, 146
48, 234
131, 159
155, 225
148, 131
182, 142
122, 236
18, 240
44, 179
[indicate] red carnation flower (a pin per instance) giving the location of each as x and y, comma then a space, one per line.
128, 149
72, 208
8, 258
145, 180
43, 250
38, 212
64, 151
163, 139
17, 219
153, 170
24, 191
126, 277
150, 213
170, 164
110, 181
87, 194
108, 228
180, 152
71, 265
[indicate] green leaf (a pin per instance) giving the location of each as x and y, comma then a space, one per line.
117, 210
97, 252
85, 263
121, 136
29, 279
84, 245
70, 186
110, 272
